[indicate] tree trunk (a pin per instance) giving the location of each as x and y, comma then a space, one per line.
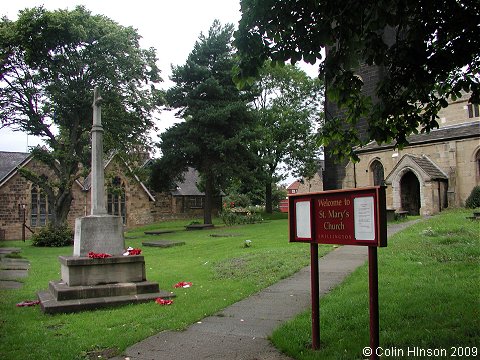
207, 211
268, 197
62, 208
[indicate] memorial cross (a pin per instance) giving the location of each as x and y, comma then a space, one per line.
98, 176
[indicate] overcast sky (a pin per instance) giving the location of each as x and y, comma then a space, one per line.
170, 26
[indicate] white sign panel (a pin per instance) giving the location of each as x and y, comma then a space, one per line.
304, 222
363, 208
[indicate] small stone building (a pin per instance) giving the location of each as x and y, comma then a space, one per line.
127, 196
315, 183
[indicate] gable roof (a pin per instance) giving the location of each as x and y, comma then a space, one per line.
87, 183
188, 187
294, 186
461, 131
429, 167
9, 162
423, 165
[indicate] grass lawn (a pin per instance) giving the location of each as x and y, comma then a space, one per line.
222, 270
429, 295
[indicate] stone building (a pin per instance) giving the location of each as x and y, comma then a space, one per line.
315, 183
436, 170
127, 196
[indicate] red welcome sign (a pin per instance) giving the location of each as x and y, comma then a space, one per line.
345, 217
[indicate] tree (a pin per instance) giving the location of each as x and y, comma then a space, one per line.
428, 50
288, 111
50, 62
212, 138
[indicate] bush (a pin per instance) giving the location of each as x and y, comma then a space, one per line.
241, 200
239, 216
51, 236
473, 201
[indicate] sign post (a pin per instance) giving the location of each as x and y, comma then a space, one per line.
373, 290
315, 286
345, 217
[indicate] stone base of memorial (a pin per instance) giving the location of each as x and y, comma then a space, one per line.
89, 284
93, 283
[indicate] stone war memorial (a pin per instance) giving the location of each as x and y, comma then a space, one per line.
98, 274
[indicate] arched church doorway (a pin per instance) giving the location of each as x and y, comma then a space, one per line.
410, 193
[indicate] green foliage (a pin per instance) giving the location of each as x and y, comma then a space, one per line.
289, 105
239, 216
473, 200
240, 200
247, 184
51, 61
427, 50
279, 192
53, 236
212, 137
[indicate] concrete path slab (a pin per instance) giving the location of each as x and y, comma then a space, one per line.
241, 330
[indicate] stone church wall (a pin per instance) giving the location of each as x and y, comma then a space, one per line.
456, 158
315, 184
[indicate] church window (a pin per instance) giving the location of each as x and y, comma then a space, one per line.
377, 171
473, 110
116, 204
40, 211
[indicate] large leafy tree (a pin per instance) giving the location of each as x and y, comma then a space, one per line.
428, 50
288, 111
50, 61
212, 137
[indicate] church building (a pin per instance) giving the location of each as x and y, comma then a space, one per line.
436, 170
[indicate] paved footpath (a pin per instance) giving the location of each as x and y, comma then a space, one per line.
241, 330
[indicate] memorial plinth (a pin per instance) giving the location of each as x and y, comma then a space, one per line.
89, 284
93, 283
117, 269
99, 234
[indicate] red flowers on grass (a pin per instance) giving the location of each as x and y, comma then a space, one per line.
93, 255
135, 252
183, 284
162, 301
132, 251
28, 303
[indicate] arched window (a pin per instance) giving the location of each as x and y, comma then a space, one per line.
376, 169
116, 199
40, 212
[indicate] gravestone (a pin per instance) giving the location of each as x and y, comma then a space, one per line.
92, 283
